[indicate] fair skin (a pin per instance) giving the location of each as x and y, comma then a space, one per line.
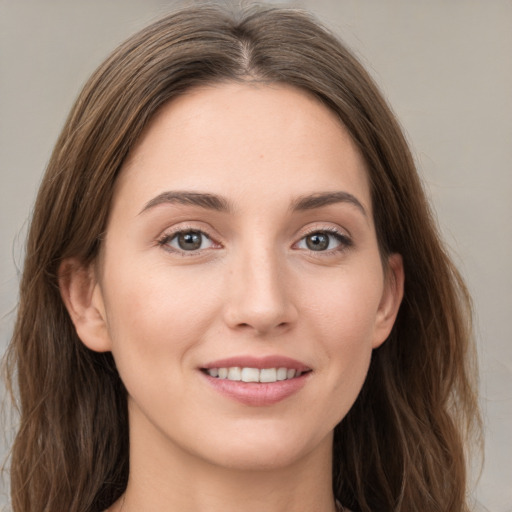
260, 275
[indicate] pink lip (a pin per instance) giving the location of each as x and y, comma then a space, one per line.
273, 361
253, 393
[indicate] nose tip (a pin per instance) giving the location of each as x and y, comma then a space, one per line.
260, 300
260, 320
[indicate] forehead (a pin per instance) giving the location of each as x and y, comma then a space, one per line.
245, 139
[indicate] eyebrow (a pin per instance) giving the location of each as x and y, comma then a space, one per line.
203, 200
312, 201
218, 203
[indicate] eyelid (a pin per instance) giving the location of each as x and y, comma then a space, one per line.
170, 233
326, 228
342, 235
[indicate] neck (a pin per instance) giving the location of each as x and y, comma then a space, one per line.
165, 477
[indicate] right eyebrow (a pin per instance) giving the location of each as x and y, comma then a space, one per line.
203, 200
322, 199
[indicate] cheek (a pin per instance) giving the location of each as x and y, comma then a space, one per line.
342, 311
344, 304
157, 315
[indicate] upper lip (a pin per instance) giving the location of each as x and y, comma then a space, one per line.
246, 361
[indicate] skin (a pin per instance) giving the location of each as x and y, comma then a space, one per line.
254, 288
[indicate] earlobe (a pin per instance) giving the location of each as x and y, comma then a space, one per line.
81, 294
391, 299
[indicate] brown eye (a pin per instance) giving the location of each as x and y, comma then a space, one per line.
189, 241
317, 241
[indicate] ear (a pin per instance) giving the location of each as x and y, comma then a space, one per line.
81, 293
392, 295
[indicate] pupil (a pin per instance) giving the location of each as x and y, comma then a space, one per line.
189, 241
317, 242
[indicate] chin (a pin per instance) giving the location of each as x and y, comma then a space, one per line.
257, 459
265, 449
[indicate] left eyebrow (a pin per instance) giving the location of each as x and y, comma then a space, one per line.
318, 200
202, 200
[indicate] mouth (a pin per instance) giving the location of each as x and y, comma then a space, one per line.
257, 381
256, 375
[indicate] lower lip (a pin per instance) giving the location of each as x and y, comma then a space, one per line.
258, 394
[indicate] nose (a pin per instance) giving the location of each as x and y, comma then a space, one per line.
260, 294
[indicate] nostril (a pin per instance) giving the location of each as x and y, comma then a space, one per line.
259, 313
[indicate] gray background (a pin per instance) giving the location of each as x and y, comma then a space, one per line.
446, 68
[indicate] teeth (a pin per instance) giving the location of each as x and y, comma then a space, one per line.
236, 373
250, 375
282, 372
268, 375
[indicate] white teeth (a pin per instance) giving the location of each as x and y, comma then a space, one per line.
236, 373
250, 375
268, 375
281, 373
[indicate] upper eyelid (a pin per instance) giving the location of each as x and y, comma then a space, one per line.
342, 237
325, 229
318, 227
184, 226
170, 235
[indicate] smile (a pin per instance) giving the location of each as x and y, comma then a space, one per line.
236, 373
257, 381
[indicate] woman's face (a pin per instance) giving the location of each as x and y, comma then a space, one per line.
241, 245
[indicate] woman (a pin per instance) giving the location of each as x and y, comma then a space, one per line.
234, 295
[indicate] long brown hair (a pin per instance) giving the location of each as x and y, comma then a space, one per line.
402, 445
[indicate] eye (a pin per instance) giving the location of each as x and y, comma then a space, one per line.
189, 240
324, 241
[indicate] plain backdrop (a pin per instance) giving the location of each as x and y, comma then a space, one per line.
444, 65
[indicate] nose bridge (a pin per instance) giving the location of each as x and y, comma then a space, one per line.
259, 293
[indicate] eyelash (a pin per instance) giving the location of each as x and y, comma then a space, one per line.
165, 240
345, 242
